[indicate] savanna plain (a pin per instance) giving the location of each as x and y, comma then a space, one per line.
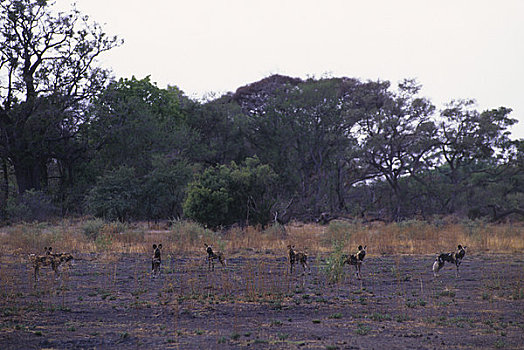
108, 298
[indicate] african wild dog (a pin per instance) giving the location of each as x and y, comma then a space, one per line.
211, 256
453, 257
156, 260
49, 259
296, 257
356, 259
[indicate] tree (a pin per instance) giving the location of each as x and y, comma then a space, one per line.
224, 195
163, 189
396, 134
302, 129
132, 121
471, 142
115, 195
48, 71
220, 131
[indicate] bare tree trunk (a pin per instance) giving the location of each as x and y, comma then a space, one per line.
5, 185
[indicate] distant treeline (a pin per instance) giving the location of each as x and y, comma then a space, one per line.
73, 141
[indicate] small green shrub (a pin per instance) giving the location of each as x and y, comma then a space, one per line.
362, 329
377, 316
334, 266
189, 230
31, 206
92, 228
339, 231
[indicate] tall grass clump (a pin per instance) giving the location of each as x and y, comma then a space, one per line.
415, 235
92, 228
334, 266
339, 231
27, 237
189, 234
116, 226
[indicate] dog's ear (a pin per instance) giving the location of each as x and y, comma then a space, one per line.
365, 247
359, 247
160, 246
50, 248
459, 247
465, 247
205, 245
45, 249
154, 246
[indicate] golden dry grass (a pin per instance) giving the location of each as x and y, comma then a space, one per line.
410, 237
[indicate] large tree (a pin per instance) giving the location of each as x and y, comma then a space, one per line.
471, 143
396, 134
302, 129
47, 72
133, 120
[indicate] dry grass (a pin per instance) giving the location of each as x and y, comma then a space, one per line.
410, 237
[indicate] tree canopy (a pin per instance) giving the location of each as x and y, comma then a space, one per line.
73, 140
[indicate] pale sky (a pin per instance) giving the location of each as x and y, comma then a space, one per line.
454, 48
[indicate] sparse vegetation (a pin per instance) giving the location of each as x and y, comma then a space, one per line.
255, 300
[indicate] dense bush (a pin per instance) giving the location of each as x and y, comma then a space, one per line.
31, 206
122, 194
115, 196
224, 195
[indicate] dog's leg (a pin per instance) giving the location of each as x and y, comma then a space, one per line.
57, 273
435, 268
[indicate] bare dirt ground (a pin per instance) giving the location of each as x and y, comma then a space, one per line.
111, 301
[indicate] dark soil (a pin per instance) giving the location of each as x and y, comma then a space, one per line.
111, 301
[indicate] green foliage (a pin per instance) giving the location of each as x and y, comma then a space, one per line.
122, 194
224, 195
103, 242
115, 196
48, 74
31, 206
162, 190
129, 149
339, 231
134, 120
303, 130
92, 228
191, 231
208, 199
334, 266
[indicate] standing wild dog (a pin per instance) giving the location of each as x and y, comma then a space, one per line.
296, 257
211, 256
453, 257
156, 260
49, 259
356, 259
